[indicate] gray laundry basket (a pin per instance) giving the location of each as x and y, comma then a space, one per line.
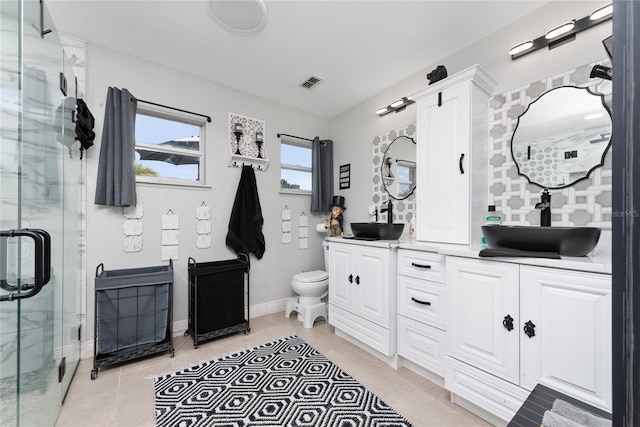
133, 314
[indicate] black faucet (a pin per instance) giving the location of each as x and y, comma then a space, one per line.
389, 211
545, 208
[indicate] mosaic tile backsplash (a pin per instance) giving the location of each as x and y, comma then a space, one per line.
585, 203
403, 210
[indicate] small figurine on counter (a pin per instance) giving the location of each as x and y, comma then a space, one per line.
335, 220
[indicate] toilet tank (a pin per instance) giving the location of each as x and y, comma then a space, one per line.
325, 251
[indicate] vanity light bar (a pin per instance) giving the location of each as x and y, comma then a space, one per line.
565, 33
395, 106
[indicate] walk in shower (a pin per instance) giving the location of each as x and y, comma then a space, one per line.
40, 218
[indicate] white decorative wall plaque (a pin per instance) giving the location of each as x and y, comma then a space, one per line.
169, 252
170, 221
203, 227
132, 244
170, 237
303, 220
203, 241
303, 231
203, 212
132, 227
285, 215
133, 211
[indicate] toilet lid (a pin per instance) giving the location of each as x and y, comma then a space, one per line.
312, 276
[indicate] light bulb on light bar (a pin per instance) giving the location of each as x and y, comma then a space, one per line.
521, 47
601, 12
396, 104
382, 110
560, 30
593, 116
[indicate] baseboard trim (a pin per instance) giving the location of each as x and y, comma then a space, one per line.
180, 326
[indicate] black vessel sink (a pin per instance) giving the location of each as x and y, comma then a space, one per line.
568, 241
376, 230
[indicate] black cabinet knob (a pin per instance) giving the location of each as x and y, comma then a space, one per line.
530, 329
508, 323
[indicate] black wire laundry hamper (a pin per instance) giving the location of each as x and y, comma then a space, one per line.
218, 298
133, 314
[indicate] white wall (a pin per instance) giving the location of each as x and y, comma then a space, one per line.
270, 276
354, 129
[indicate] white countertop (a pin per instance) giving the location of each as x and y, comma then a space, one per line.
373, 243
599, 261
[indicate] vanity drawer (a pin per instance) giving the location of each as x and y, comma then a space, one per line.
422, 265
422, 300
421, 344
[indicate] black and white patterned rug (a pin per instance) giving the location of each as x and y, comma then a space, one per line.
281, 383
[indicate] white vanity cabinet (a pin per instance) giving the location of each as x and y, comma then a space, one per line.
451, 149
511, 326
571, 349
362, 294
422, 309
483, 295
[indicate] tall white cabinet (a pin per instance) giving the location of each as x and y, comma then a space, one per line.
511, 326
362, 294
452, 132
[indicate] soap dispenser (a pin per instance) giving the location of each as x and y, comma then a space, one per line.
492, 217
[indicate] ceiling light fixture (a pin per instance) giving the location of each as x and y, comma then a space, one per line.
245, 18
565, 33
395, 106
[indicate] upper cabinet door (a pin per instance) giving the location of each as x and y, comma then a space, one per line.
452, 134
443, 153
571, 349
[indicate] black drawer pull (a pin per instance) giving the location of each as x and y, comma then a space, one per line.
420, 265
350, 278
420, 302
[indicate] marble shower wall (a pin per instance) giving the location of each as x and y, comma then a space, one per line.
403, 210
586, 203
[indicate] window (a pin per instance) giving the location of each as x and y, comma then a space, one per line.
168, 148
295, 167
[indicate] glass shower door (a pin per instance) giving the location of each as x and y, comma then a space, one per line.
38, 350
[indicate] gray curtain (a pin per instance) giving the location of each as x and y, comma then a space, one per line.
322, 175
116, 184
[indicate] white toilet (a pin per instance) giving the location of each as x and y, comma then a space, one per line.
311, 286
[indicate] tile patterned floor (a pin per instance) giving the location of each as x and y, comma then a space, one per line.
122, 396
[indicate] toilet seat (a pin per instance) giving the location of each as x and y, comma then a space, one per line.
311, 276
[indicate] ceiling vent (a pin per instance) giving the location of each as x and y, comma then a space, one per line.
311, 81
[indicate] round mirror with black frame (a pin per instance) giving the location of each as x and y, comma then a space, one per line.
562, 137
398, 169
